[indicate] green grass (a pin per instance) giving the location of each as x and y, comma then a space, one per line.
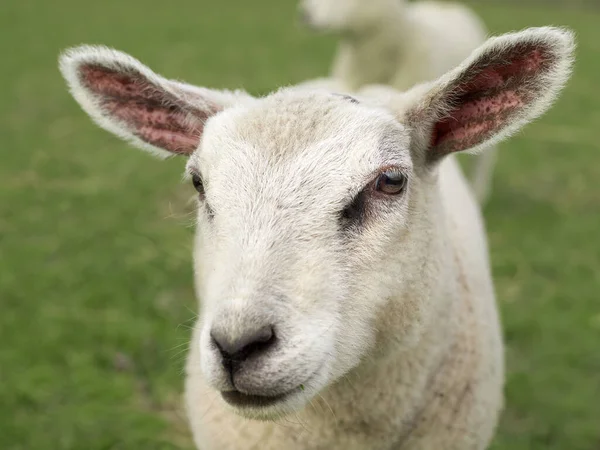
95, 275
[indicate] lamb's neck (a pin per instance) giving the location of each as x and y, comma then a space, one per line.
417, 383
372, 55
407, 365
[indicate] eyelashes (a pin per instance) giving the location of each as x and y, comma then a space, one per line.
388, 184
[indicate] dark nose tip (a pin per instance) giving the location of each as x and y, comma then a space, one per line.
251, 343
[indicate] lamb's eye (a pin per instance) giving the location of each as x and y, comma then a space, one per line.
390, 182
197, 182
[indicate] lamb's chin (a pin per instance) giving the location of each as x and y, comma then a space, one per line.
270, 410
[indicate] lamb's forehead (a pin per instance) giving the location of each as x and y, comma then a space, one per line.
293, 123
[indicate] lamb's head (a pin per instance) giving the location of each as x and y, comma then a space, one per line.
343, 16
314, 207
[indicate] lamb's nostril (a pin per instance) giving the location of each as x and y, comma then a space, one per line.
251, 343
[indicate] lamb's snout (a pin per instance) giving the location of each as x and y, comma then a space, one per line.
251, 343
261, 359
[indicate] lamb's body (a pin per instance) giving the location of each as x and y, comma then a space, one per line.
444, 392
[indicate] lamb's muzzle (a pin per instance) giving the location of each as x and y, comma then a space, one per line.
251, 346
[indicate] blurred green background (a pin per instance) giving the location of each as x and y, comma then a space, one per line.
96, 294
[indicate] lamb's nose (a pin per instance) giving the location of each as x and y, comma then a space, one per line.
252, 343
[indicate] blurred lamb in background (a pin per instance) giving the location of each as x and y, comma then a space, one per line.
393, 42
400, 44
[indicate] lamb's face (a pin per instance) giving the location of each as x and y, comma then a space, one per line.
301, 194
343, 15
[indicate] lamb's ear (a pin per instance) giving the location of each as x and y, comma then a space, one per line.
126, 98
509, 81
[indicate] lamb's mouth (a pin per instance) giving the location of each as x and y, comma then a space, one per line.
261, 403
241, 400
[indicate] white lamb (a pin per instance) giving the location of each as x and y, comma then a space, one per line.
342, 264
401, 44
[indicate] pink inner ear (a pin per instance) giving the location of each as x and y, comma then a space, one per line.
487, 101
155, 116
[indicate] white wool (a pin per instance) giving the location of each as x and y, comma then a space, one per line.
382, 327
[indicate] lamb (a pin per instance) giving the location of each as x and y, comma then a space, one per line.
401, 44
341, 263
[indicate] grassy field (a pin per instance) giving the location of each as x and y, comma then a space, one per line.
96, 292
